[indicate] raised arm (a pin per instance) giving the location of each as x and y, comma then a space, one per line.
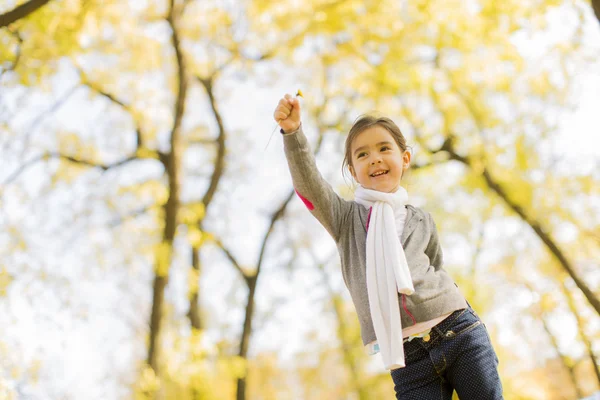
316, 193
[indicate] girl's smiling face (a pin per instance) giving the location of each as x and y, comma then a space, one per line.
378, 163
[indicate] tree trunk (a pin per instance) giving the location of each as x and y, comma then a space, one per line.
252, 281
219, 168
194, 313
245, 341
171, 164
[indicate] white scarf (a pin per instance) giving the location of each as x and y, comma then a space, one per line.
387, 269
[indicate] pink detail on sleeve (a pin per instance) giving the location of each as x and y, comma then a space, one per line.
369, 217
406, 309
307, 203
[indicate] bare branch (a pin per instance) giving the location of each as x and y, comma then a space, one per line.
534, 224
13, 65
12, 177
233, 260
136, 213
138, 132
220, 160
38, 120
203, 141
21, 12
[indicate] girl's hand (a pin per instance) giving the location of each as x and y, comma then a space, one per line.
287, 113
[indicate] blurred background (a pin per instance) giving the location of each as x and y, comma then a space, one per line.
151, 246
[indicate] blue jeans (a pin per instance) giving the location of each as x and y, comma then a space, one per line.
457, 355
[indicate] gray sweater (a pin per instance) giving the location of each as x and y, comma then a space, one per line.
435, 293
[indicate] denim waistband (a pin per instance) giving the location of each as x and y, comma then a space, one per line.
436, 332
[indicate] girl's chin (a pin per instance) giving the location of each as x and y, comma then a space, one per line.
384, 188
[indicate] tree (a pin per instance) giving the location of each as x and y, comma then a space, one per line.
141, 180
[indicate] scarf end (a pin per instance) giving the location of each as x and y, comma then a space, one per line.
395, 365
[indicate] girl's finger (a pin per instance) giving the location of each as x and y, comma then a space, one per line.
285, 110
280, 115
284, 104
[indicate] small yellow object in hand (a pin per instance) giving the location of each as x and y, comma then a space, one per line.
298, 94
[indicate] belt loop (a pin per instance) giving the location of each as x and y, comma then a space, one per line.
439, 332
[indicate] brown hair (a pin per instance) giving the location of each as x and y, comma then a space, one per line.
365, 122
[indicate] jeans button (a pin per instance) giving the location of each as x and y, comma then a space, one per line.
450, 334
426, 338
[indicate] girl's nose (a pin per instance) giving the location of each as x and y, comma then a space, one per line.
376, 160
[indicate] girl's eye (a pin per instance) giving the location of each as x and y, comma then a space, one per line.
361, 154
384, 148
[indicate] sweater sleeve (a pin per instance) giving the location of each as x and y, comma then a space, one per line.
434, 248
318, 196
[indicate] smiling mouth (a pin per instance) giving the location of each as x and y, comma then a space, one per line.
379, 173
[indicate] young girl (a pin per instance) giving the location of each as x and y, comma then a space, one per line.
409, 308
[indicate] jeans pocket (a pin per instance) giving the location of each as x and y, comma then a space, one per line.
467, 322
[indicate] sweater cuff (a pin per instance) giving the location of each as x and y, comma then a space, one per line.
292, 132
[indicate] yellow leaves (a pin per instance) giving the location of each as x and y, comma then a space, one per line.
540, 84
72, 144
522, 154
5, 281
195, 237
149, 192
192, 213
162, 258
518, 189
147, 385
146, 153
67, 171
8, 48
547, 302
236, 367
6, 393
193, 369
49, 33
197, 348
206, 22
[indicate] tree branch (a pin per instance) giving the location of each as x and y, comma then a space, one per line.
105, 167
219, 167
220, 160
136, 213
534, 224
14, 63
233, 260
37, 120
113, 99
559, 255
21, 12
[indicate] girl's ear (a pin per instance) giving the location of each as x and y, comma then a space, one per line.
406, 159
